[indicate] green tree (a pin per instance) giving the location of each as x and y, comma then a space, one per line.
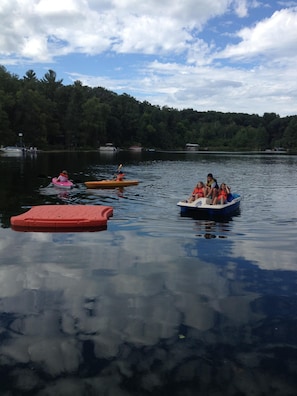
31, 116
76, 116
30, 80
289, 139
95, 115
5, 131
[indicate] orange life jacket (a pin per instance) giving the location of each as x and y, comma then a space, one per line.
198, 191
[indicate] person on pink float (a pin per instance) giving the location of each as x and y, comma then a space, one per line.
63, 177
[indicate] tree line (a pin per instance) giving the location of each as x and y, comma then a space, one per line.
50, 115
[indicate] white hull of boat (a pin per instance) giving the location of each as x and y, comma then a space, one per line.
204, 206
12, 150
108, 148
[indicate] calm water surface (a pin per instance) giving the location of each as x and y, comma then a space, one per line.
157, 304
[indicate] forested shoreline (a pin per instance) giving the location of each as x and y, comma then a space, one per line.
50, 115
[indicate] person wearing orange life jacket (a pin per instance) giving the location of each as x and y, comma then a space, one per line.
198, 192
63, 177
222, 196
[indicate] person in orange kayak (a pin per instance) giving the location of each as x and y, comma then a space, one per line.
222, 196
198, 192
120, 176
63, 177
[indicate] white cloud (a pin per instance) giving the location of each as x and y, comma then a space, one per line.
241, 8
151, 35
176, 53
275, 36
139, 26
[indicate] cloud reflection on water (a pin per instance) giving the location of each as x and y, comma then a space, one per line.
156, 304
75, 307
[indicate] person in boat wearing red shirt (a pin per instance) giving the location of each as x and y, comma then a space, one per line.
222, 196
63, 177
120, 176
198, 192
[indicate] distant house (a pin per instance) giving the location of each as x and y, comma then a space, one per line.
135, 148
192, 146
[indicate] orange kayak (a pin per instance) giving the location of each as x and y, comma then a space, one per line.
111, 183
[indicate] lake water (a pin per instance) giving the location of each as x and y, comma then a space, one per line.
156, 304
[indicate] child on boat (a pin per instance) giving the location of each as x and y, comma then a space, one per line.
211, 187
198, 192
222, 196
63, 177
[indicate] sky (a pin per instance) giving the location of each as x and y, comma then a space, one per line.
208, 55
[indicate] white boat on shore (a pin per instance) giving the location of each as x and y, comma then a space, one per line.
108, 148
12, 150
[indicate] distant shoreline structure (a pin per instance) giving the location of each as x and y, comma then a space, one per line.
135, 148
192, 146
109, 147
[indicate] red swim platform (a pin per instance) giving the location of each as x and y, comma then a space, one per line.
63, 218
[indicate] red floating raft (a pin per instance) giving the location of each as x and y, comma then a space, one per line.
63, 218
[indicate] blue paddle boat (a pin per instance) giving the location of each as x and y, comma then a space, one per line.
203, 206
